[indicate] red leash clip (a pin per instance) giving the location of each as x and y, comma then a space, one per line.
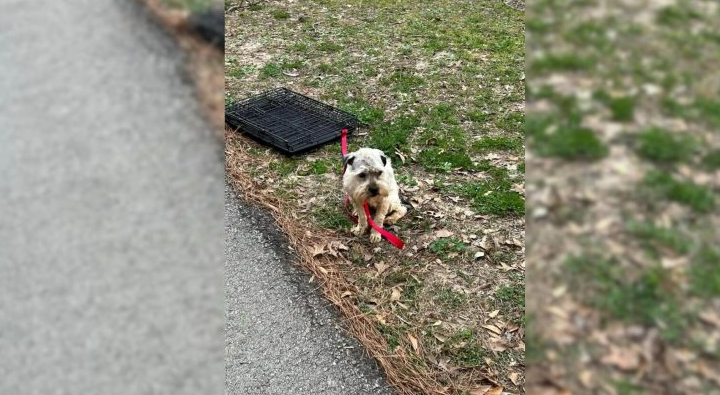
391, 238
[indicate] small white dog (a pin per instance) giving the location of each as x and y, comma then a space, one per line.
369, 176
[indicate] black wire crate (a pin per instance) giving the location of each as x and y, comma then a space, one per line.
289, 121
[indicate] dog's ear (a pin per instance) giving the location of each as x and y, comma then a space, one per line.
348, 160
383, 158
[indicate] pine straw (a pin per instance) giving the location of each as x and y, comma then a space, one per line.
206, 63
407, 377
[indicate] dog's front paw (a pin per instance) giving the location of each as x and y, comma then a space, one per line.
375, 236
358, 230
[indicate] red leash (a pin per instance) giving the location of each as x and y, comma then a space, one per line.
391, 238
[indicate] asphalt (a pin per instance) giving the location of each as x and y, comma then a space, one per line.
282, 336
111, 207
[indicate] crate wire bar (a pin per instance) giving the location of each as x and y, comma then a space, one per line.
289, 121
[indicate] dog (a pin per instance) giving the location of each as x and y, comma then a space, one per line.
369, 176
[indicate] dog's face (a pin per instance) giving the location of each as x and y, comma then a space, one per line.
368, 173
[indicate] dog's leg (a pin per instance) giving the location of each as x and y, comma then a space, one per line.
379, 219
397, 212
362, 224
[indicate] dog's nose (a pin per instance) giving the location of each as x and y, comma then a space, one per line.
373, 191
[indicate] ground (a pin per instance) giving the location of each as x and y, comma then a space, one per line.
623, 146
441, 90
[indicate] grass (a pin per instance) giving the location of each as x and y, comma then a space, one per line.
663, 146
571, 142
704, 273
655, 237
443, 247
697, 197
331, 216
500, 143
451, 298
621, 108
561, 62
437, 88
494, 195
711, 160
646, 300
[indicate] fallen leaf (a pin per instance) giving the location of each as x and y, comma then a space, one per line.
380, 266
480, 390
443, 233
346, 293
323, 270
495, 391
413, 341
395, 295
317, 250
514, 377
494, 314
441, 339
479, 254
493, 328
622, 358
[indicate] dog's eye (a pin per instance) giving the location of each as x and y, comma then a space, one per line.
379, 173
361, 175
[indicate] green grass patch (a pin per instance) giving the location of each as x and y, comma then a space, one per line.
271, 70
705, 273
663, 146
450, 298
655, 237
500, 143
646, 300
284, 167
561, 62
331, 216
393, 135
365, 112
695, 196
329, 47
280, 14
443, 160
443, 247
621, 108
403, 82
494, 195
319, 166
711, 160
571, 142
677, 15
242, 71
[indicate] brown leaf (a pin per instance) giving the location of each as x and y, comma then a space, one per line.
514, 377
443, 233
622, 358
495, 391
480, 390
494, 314
318, 250
493, 328
381, 266
395, 295
413, 341
346, 293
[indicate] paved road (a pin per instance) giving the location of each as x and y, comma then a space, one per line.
111, 208
283, 338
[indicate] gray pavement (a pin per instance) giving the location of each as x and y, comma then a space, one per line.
283, 337
111, 208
